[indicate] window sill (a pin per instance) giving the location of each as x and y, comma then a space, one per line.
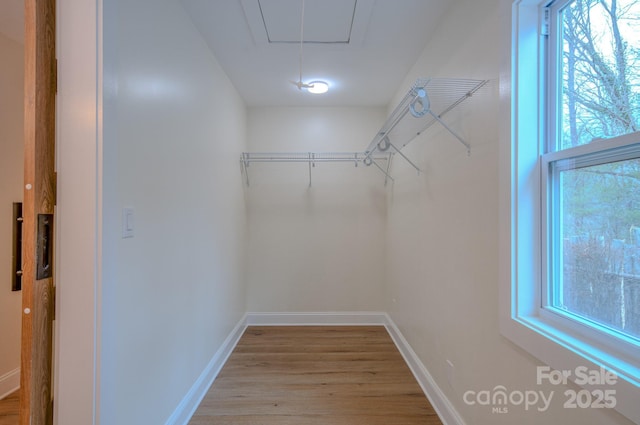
563, 351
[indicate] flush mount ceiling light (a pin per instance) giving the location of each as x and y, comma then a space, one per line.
317, 87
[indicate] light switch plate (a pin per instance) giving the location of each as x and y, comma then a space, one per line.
127, 222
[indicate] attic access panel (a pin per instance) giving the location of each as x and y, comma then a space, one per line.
326, 21
337, 22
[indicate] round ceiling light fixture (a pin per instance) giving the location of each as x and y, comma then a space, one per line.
318, 87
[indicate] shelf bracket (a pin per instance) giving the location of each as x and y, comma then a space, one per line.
311, 163
244, 165
460, 139
387, 176
386, 173
405, 158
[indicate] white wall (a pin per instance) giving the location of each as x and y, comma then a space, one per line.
443, 231
11, 176
174, 128
318, 248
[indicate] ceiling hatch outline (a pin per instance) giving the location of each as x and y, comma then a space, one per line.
332, 25
337, 23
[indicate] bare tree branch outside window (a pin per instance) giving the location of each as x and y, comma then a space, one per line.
600, 205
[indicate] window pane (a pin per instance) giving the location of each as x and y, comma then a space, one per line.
600, 96
598, 239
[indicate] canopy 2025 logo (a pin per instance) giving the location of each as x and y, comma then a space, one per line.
500, 400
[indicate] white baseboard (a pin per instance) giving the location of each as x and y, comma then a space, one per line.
316, 318
446, 411
192, 399
9, 382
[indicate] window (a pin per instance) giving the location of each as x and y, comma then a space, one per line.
572, 294
591, 171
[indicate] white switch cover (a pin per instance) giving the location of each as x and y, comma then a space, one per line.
127, 223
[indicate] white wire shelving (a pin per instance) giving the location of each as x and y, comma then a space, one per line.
311, 158
426, 103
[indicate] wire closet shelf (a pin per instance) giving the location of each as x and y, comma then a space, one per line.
311, 158
425, 104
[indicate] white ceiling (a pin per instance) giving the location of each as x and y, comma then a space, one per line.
362, 48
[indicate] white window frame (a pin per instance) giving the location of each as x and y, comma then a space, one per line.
560, 343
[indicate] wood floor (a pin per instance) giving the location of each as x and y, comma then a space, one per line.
308, 375
9, 409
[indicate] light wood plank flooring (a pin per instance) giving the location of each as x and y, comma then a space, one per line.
9, 407
308, 375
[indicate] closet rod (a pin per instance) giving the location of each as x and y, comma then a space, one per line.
312, 158
249, 157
